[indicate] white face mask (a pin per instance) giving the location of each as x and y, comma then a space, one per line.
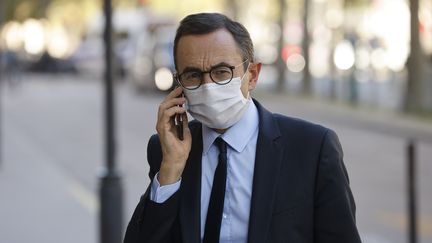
217, 106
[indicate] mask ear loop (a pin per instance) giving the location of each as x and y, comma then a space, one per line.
241, 81
246, 71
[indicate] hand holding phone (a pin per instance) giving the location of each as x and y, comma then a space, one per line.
175, 140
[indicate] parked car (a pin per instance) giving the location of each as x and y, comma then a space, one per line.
153, 63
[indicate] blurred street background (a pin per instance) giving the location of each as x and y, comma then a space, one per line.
360, 67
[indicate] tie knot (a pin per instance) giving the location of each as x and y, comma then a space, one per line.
221, 145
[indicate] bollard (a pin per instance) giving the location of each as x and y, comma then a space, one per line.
412, 196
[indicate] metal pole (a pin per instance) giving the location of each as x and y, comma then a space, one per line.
412, 195
111, 203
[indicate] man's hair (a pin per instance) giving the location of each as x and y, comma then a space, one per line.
205, 23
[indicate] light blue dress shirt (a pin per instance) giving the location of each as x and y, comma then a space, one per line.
242, 140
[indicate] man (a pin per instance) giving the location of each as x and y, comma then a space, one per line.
241, 173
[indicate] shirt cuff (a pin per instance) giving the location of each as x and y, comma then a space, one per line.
160, 194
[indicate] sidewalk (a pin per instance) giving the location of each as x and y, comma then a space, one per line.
39, 202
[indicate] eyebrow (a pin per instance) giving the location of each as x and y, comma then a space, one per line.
192, 69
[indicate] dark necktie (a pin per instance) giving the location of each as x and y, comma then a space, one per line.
216, 204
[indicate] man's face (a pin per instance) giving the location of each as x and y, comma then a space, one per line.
206, 51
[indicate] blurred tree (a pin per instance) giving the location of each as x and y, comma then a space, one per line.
305, 46
2, 14
2, 17
23, 9
413, 93
307, 78
232, 9
350, 36
357, 3
11, 9
41, 8
281, 66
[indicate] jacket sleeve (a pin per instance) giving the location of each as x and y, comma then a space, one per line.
334, 205
151, 221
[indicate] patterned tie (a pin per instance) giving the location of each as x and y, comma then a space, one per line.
216, 204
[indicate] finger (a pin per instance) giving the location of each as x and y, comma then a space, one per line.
172, 102
175, 93
167, 115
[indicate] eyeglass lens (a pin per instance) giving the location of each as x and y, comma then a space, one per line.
193, 79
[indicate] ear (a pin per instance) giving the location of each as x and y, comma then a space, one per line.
254, 71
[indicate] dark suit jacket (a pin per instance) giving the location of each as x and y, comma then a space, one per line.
300, 191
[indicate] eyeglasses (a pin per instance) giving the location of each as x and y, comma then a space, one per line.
220, 74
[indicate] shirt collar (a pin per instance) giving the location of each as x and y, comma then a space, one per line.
236, 136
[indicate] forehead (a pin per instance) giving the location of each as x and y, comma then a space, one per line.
206, 50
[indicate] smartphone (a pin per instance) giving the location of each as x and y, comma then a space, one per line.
178, 122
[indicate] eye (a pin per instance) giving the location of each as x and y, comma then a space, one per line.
192, 75
221, 72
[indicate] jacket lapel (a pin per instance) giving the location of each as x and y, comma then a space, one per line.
191, 189
267, 162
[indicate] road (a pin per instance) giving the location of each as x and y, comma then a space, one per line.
52, 150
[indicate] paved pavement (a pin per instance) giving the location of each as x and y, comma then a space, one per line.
52, 150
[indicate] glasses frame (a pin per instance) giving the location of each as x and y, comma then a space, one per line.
177, 76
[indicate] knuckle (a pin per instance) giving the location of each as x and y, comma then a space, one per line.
167, 113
